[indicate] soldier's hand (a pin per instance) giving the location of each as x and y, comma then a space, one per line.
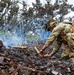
47, 55
41, 53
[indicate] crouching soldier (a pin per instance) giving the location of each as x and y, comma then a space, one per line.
62, 33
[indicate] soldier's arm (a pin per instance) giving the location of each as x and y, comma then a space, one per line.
56, 48
55, 33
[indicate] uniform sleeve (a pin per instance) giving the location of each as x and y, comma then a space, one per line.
56, 48
57, 45
55, 33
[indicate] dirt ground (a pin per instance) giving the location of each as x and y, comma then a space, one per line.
25, 61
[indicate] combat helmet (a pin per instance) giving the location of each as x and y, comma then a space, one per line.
51, 24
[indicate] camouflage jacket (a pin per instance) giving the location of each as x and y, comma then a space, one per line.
61, 34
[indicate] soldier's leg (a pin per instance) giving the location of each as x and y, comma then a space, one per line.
65, 53
71, 56
70, 40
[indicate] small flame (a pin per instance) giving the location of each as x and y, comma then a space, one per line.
23, 47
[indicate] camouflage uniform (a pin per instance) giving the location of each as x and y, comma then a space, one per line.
62, 34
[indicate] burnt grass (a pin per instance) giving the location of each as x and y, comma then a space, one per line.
25, 61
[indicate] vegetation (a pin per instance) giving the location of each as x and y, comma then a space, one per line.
16, 19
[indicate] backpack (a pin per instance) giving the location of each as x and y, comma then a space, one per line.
72, 24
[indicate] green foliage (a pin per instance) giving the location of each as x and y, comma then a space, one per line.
5, 34
3, 4
14, 9
33, 38
8, 9
10, 14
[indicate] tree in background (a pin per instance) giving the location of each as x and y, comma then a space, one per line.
11, 15
8, 13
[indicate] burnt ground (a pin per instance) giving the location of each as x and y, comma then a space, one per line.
25, 61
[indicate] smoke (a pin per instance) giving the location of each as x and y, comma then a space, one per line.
20, 35
11, 39
14, 40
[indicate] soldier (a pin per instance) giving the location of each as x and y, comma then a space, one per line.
62, 33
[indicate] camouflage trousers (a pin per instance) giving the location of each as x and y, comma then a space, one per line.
69, 49
67, 52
